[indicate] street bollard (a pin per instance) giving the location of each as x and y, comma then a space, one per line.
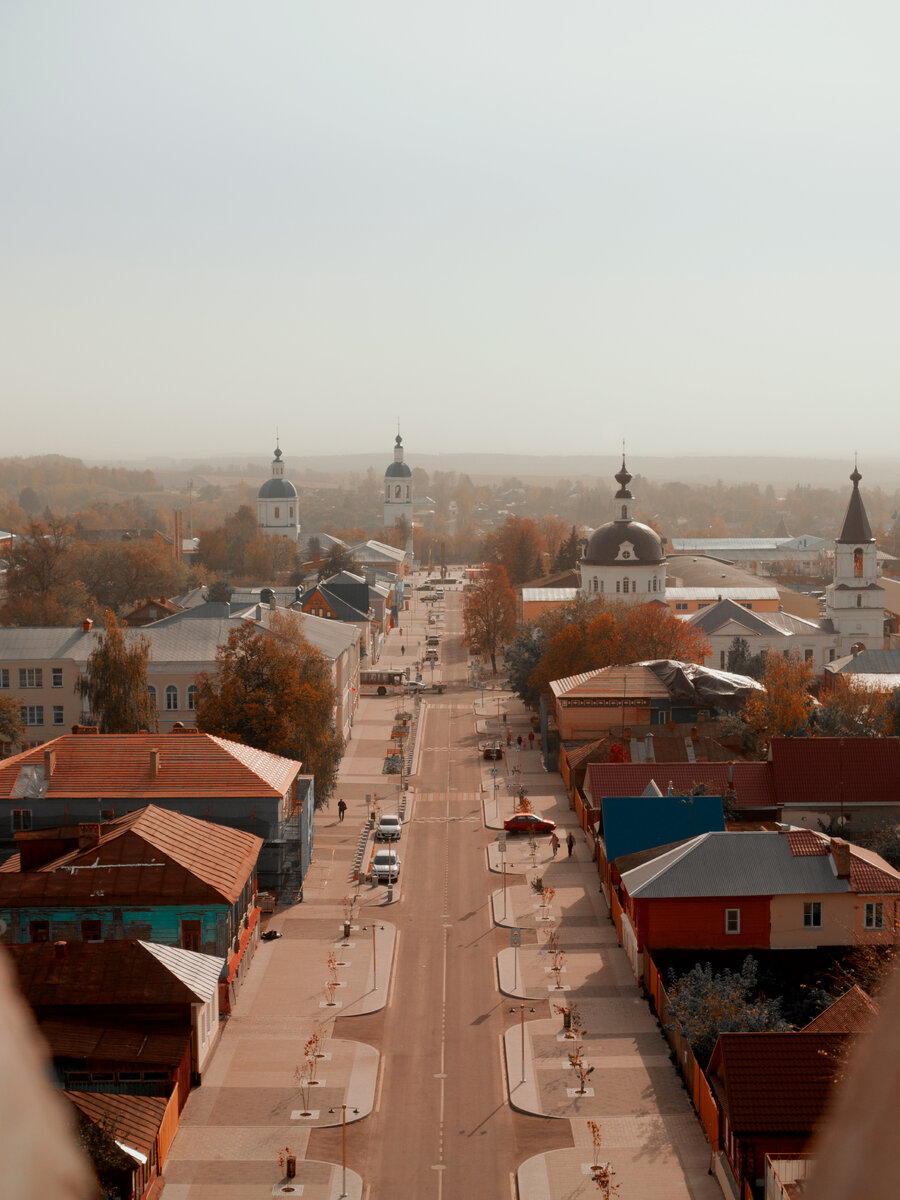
390, 892
346, 930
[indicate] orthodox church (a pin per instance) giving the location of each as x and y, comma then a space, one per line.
854, 600
277, 503
398, 489
624, 559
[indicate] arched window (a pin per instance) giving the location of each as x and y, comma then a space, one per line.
192, 697
397, 491
151, 692
171, 697
625, 585
857, 562
277, 512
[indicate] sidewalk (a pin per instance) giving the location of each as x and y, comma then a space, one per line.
650, 1134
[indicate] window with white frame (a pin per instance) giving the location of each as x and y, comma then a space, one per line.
732, 920
4, 677
171, 697
874, 914
31, 677
31, 714
812, 914
59, 714
192, 697
56, 678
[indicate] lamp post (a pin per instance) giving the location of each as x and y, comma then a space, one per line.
374, 960
522, 1023
344, 1108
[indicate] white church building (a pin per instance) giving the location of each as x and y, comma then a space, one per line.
277, 503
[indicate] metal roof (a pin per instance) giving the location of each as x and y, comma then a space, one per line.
781, 624
552, 595
721, 593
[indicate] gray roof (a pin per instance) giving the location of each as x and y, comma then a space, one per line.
277, 488
199, 972
603, 548
721, 593
398, 470
867, 662
855, 529
712, 619
734, 864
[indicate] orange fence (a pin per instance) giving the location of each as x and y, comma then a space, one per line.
167, 1129
615, 911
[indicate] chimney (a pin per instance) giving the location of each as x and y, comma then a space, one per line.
85, 731
87, 625
695, 736
88, 834
49, 762
154, 764
59, 950
840, 852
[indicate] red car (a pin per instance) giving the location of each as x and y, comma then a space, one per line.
529, 823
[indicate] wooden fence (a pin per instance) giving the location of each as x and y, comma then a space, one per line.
167, 1129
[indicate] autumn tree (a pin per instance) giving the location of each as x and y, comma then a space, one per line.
850, 711
115, 680
784, 708
518, 547
489, 614
274, 691
339, 558
119, 574
702, 1005
42, 584
11, 729
568, 553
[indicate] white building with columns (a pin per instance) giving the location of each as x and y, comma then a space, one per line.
624, 560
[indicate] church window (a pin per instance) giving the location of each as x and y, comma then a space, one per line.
277, 512
387, 491
397, 491
596, 583
618, 585
151, 692
857, 562
624, 512
407, 491
171, 697
625, 585
654, 583
858, 601
192, 697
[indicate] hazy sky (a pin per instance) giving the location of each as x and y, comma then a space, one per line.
522, 226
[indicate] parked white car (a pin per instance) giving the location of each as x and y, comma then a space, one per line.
385, 866
389, 828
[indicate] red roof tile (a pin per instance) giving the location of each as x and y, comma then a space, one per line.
776, 1083
805, 841
816, 771
853, 1012
752, 781
119, 765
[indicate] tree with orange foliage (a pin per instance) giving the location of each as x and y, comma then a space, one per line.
784, 709
518, 547
489, 614
850, 711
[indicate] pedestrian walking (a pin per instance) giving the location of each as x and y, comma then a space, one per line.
554, 842
402, 649
342, 808
570, 842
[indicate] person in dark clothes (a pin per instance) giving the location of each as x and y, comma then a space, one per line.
342, 808
570, 842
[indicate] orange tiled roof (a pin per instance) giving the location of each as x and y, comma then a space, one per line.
119, 765
776, 1083
150, 856
853, 1012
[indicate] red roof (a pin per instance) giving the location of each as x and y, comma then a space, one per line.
116, 766
806, 842
853, 1012
151, 856
814, 771
752, 782
777, 1083
869, 873
149, 1045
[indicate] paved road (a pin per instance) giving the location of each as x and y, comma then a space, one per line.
441, 1126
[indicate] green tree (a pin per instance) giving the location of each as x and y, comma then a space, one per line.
339, 558
274, 691
740, 661
489, 614
703, 1005
115, 681
569, 553
520, 658
518, 547
11, 729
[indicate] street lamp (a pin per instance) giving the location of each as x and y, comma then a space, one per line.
522, 1022
374, 960
344, 1108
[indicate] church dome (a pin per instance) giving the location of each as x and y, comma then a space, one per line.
398, 470
619, 542
277, 488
